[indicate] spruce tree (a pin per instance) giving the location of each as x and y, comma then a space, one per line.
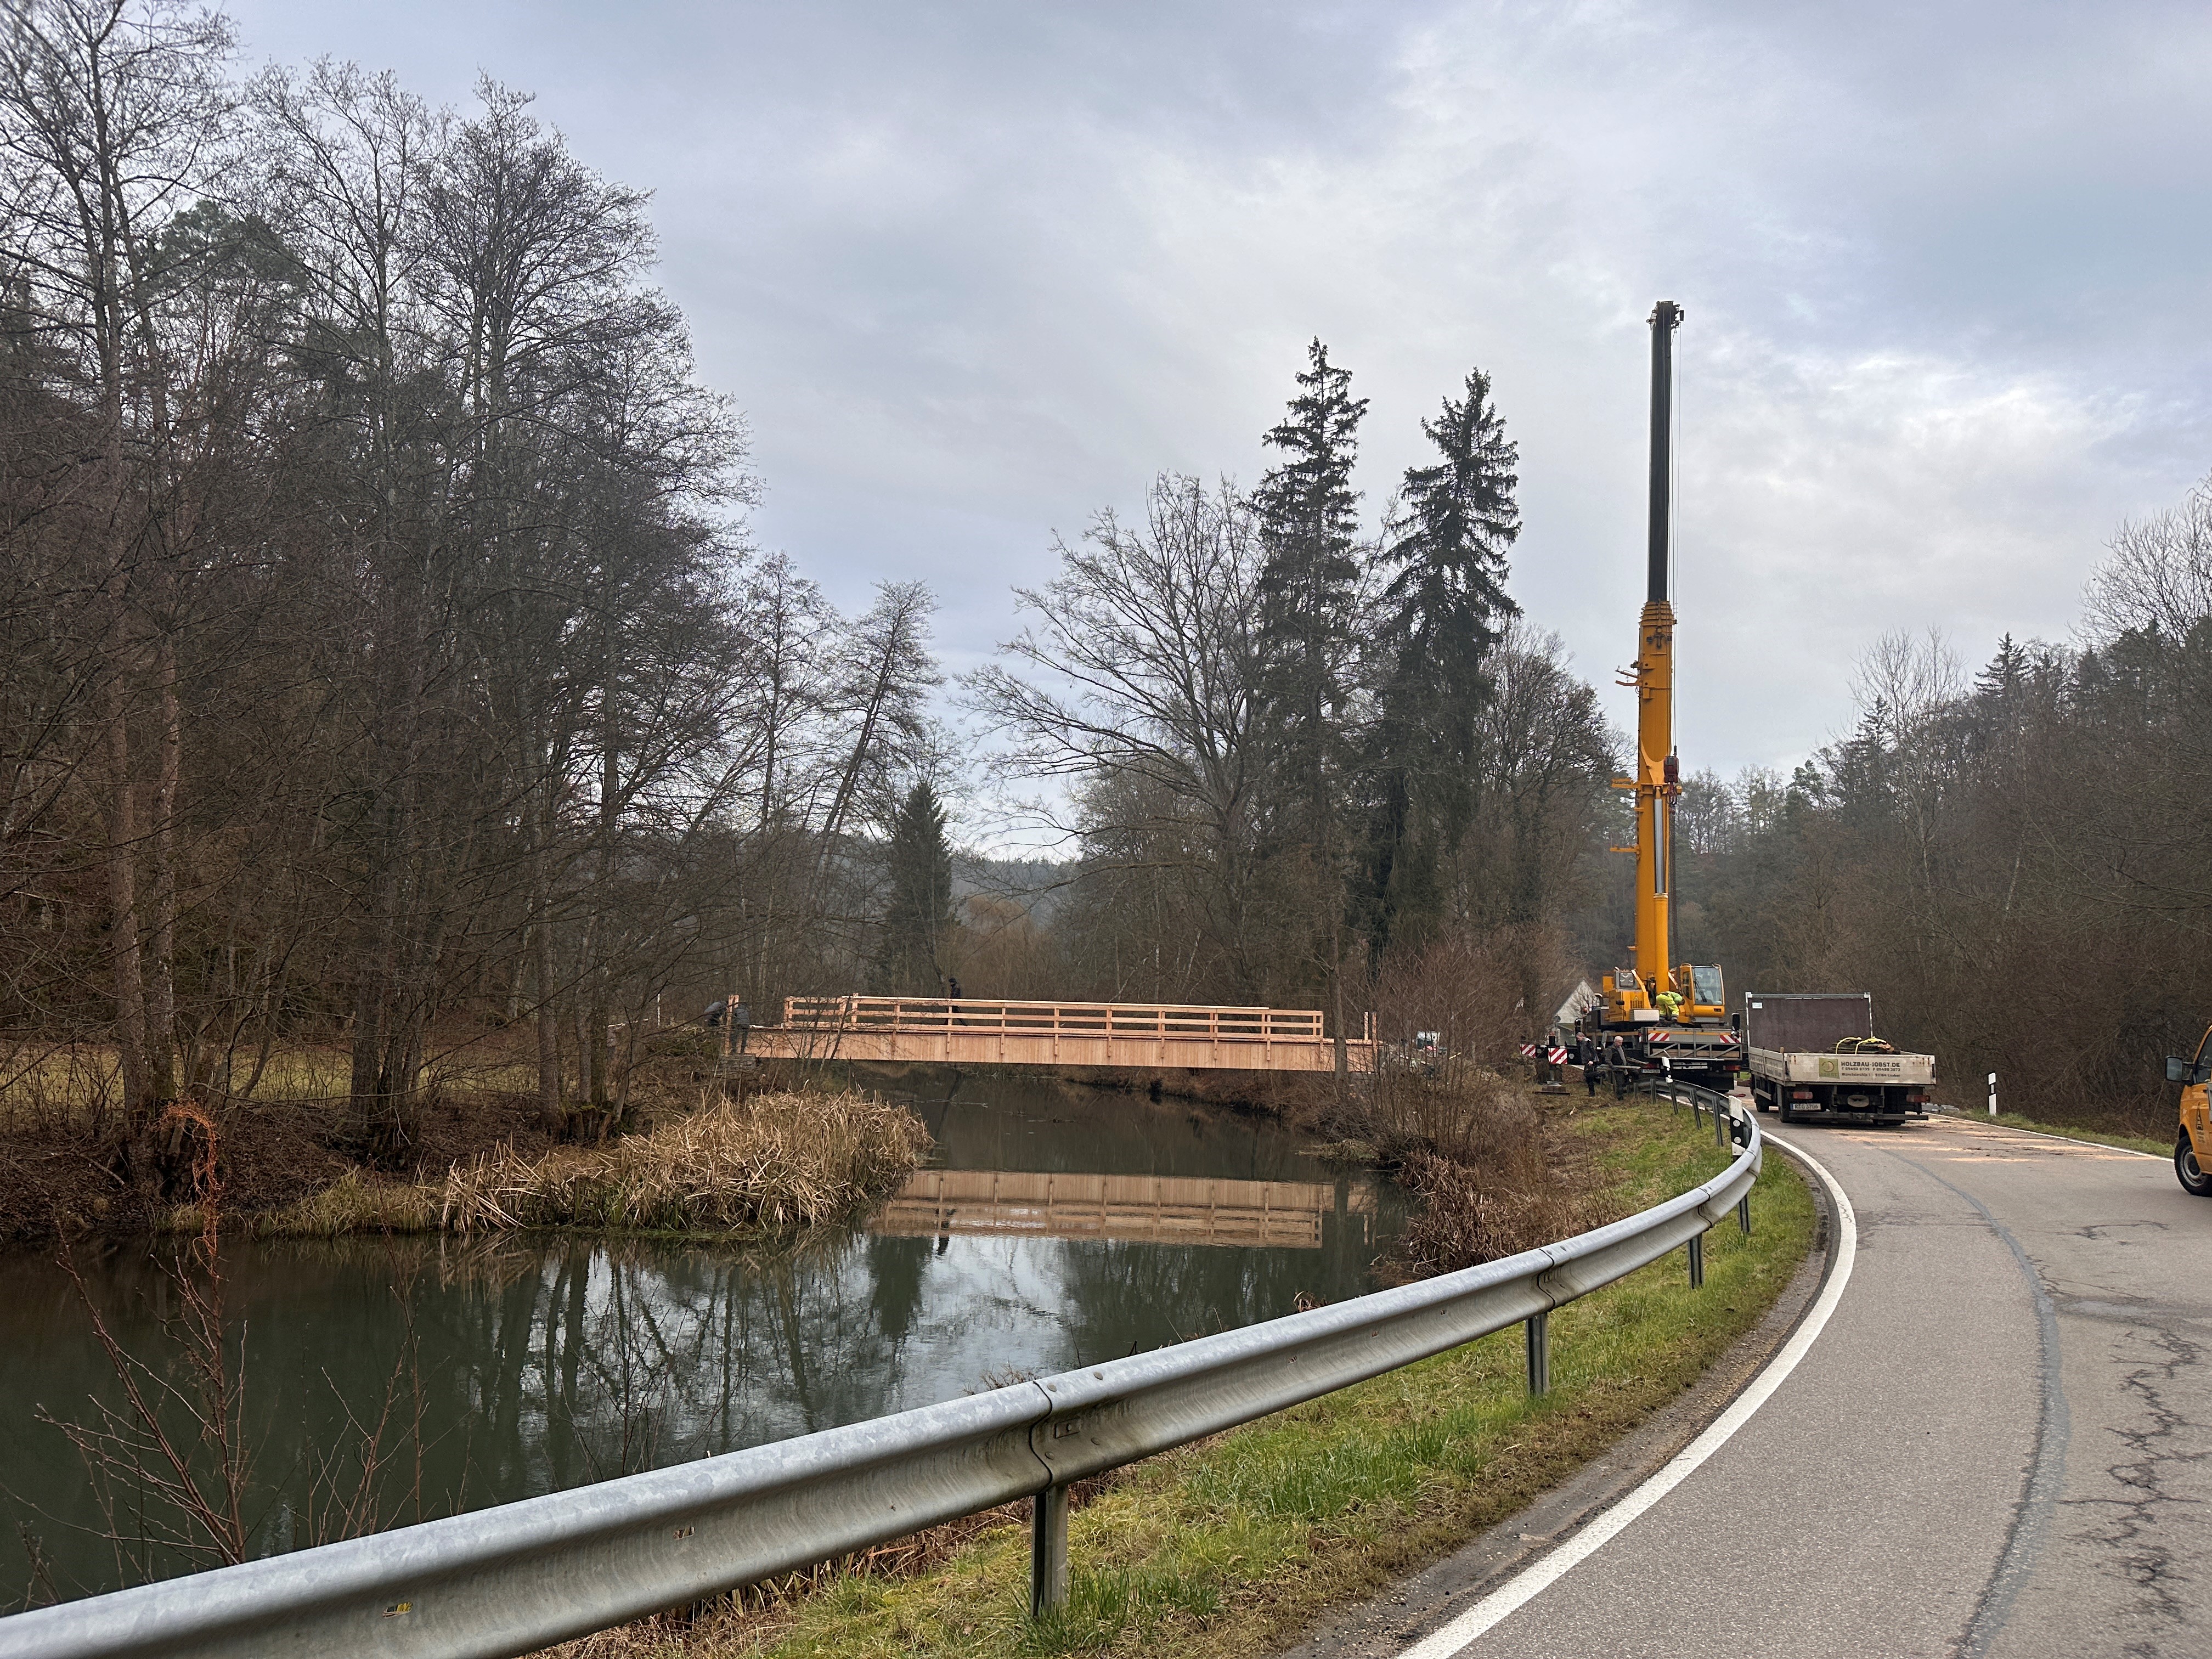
1309, 527
1444, 606
1309, 520
2001, 678
918, 919
1443, 609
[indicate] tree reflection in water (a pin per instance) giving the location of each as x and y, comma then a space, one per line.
546, 1362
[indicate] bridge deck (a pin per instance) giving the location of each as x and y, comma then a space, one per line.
971, 1031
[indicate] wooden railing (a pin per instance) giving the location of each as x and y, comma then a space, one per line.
973, 1030
976, 1016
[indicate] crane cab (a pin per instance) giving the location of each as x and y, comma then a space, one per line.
1629, 1001
1705, 1001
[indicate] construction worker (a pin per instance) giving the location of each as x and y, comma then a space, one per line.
1669, 1004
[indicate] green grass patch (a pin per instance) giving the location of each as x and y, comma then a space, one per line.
1232, 1547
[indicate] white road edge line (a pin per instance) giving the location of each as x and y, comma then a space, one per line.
1524, 1587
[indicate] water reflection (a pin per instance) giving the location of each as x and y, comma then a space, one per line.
529, 1365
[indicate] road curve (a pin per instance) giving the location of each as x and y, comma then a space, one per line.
2000, 1445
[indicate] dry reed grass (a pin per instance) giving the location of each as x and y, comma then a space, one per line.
771, 1161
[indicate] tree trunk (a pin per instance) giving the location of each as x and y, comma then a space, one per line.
127, 950
549, 1026
161, 984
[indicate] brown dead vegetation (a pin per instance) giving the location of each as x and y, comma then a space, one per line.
1490, 1174
768, 1162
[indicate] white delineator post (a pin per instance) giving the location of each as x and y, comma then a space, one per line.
1993, 1094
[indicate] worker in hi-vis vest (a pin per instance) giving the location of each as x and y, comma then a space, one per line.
1669, 1004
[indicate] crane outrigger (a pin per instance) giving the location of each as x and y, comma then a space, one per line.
1656, 1016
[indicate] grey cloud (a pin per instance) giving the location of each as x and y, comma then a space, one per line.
975, 271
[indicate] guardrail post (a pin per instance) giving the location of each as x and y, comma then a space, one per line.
1048, 1550
1720, 1127
1743, 1212
1539, 1329
1697, 1261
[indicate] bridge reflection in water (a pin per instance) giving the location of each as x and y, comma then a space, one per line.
1140, 1209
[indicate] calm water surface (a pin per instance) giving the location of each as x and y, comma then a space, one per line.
511, 1366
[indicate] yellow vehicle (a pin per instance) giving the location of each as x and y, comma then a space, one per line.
2192, 1147
1657, 1018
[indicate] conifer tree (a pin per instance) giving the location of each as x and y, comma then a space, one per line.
1309, 521
2001, 678
1444, 606
1442, 613
909, 959
1308, 528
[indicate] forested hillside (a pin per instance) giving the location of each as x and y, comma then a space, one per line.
2016, 862
388, 663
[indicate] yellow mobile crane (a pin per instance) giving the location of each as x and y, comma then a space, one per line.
1657, 1015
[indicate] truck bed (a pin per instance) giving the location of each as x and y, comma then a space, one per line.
1785, 1065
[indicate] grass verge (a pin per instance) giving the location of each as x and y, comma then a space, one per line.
1230, 1548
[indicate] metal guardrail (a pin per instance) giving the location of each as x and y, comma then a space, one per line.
509, 1580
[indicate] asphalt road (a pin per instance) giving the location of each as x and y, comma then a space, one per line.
2001, 1444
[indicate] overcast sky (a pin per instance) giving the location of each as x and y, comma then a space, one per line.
973, 271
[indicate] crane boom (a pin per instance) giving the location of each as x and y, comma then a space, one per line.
1658, 780
1657, 1018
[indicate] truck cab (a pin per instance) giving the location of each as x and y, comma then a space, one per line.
2192, 1145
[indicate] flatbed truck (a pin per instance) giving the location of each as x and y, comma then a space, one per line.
1815, 1055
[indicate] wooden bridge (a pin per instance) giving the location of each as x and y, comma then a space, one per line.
971, 1031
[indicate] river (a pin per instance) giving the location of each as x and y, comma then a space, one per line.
1060, 1226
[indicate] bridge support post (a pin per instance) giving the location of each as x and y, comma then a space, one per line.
1048, 1550
1696, 1262
1538, 1329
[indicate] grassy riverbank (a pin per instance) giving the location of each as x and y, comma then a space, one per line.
1231, 1547
764, 1163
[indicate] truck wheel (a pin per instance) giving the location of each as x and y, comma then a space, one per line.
2192, 1174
